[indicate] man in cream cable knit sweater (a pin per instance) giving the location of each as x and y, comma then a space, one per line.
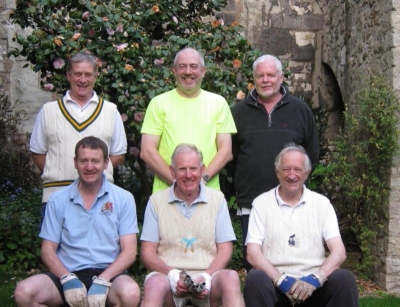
188, 227
287, 228
60, 124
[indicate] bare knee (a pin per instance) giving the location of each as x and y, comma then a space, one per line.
24, 293
157, 291
124, 292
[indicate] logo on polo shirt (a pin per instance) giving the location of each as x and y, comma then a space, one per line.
107, 208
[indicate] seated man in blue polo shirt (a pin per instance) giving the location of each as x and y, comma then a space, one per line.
89, 240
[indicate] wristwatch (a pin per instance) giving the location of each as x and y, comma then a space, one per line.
206, 178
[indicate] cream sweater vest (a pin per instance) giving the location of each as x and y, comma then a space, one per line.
187, 243
308, 252
63, 131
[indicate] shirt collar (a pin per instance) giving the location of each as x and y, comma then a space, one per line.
282, 90
75, 196
94, 99
280, 202
202, 198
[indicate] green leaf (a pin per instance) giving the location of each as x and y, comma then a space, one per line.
11, 245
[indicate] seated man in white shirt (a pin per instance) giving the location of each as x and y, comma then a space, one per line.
285, 243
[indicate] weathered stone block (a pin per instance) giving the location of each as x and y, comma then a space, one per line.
306, 53
285, 22
313, 22
276, 41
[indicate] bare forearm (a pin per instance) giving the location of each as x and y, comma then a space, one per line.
39, 160
331, 263
53, 263
151, 260
157, 164
117, 160
335, 259
259, 262
218, 162
222, 258
223, 155
121, 264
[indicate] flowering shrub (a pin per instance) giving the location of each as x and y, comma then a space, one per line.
135, 42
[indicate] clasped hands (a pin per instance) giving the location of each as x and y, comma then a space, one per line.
298, 290
179, 288
75, 291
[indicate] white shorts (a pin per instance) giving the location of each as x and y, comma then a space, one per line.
181, 301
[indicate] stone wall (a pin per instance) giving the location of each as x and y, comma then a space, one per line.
331, 48
18, 83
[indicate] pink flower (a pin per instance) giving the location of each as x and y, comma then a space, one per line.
86, 15
221, 22
110, 31
159, 61
105, 18
124, 117
120, 28
138, 117
76, 36
99, 62
134, 151
58, 63
91, 32
48, 87
121, 47
240, 95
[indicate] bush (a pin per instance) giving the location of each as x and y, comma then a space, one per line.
19, 228
20, 200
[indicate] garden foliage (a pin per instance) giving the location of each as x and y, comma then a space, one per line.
19, 198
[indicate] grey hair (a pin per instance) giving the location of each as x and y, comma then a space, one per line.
82, 57
186, 148
293, 147
201, 56
268, 57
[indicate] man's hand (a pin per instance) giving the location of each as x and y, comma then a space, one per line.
304, 288
284, 283
74, 291
203, 280
98, 291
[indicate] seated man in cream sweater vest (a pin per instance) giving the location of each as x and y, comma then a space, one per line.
187, 231
285, 243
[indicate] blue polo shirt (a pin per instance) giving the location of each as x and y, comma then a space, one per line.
89, 238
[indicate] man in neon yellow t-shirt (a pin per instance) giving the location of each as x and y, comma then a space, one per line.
187, 114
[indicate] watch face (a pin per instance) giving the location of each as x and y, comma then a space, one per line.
206, 178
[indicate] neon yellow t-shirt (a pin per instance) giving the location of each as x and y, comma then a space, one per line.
197, 121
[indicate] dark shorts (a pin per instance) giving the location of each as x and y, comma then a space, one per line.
85, 276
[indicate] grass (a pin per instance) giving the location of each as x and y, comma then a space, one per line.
8, 281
